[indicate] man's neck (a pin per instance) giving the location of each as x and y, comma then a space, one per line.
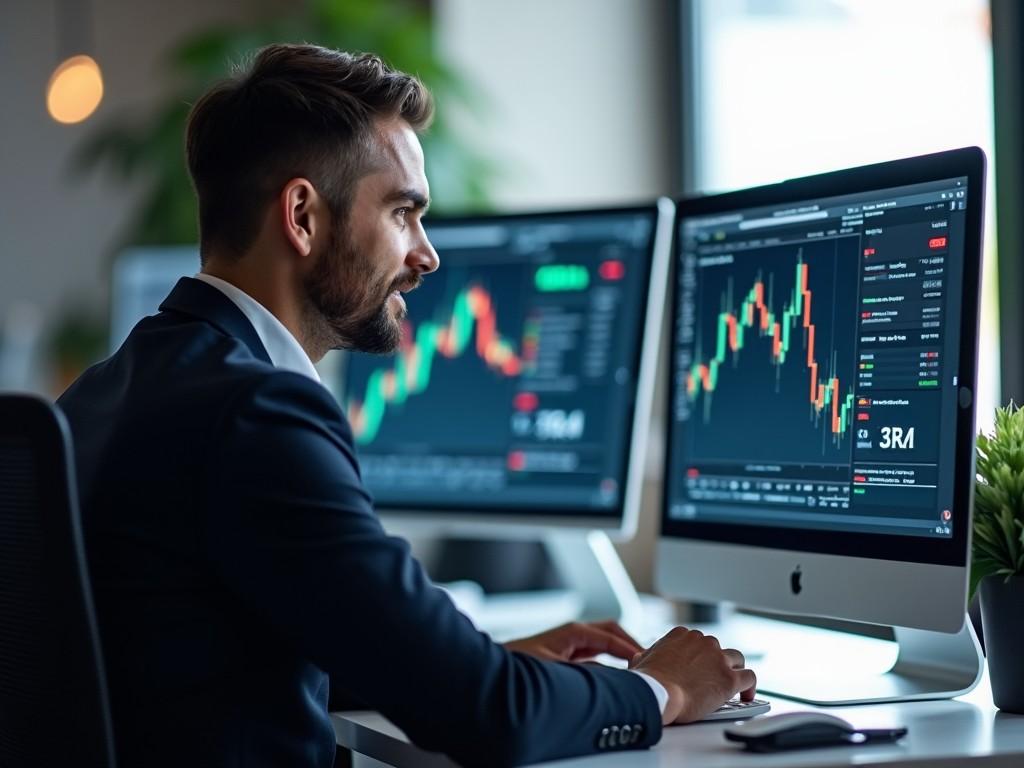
273, 286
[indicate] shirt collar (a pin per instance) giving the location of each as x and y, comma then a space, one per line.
284, 350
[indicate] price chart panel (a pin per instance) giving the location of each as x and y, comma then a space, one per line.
814, 362
515, 381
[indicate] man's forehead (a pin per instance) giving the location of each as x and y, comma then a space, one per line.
399, 167
399, 144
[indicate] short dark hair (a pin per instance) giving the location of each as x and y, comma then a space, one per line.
294, 111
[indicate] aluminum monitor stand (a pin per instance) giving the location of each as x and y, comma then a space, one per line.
591, 568
929, 665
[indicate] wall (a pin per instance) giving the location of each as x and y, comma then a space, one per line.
579, 96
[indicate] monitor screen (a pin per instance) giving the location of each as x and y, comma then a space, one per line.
516, 381
822, 362
141, 279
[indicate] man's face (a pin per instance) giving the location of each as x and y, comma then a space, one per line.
379, 251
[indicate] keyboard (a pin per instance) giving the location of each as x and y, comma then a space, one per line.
738, 710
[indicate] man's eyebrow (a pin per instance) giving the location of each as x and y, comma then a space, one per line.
418, 199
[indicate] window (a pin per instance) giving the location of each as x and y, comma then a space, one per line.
787, 88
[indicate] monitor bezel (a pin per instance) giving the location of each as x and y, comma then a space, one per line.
953, 551
518, 522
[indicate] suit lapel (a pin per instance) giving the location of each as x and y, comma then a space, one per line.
196, 298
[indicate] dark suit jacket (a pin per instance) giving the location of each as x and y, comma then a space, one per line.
238, 565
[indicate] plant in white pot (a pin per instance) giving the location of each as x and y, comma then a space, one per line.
997, 569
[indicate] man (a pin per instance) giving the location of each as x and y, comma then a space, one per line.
236, 558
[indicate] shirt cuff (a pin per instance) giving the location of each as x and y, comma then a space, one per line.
656, 688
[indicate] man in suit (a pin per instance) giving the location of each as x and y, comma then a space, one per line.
236, 558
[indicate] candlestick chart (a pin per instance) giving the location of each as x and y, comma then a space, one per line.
772, 366
467, 326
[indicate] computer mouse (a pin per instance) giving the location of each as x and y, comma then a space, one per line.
791, 730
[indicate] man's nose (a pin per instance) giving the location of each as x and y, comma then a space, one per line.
422, 257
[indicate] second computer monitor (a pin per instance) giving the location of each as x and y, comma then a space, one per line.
520, 393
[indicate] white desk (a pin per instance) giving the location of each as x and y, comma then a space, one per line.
941, 733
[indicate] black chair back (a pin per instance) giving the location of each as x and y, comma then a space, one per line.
53, 698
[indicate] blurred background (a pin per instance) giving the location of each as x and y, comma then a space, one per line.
541, 103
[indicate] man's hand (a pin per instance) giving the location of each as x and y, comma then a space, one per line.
578, 642
697, 673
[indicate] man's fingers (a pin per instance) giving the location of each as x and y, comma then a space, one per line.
589, 640
736, 660
614, 628
746, 682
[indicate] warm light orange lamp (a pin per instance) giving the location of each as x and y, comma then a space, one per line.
75, 89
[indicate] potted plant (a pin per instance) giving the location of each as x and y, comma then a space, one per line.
997, 570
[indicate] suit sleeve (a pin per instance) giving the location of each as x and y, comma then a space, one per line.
292, 532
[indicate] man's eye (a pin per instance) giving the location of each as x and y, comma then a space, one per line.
402, 212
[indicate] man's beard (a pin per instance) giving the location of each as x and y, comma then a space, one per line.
356, 315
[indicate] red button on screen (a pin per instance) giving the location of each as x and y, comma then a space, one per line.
613, 269
525, 401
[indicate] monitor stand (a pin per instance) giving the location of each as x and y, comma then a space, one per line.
592, 570
837, 672
595, 587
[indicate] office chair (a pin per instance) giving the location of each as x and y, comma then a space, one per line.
54, 708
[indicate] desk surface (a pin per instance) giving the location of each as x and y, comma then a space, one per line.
940, 733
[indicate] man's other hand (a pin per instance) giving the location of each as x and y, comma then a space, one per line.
579, 642
697, 673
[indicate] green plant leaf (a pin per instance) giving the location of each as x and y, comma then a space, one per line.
147, 148
998, 528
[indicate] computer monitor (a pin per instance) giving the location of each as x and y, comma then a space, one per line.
820, 454
140, 279
518, 403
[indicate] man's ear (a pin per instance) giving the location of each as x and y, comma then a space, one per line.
302, 215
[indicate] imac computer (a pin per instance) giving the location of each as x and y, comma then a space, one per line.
820, 454
518, 402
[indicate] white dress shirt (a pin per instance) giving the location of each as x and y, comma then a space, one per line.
286, 353
284, 350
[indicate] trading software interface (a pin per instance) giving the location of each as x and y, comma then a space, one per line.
516, 377
815, 359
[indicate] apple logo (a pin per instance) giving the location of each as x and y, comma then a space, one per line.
794, 581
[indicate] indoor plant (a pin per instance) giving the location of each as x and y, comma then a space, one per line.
997, 569
148, 148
